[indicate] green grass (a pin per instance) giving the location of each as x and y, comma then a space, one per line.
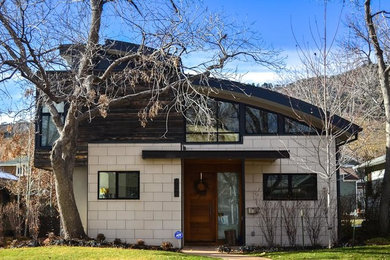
64, 252
361, 252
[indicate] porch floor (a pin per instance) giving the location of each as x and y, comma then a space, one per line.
212, 251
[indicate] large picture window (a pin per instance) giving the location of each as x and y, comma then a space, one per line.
222, 125
118, 185
259, 121
290, 186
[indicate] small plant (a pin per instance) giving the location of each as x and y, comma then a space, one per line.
100, 237
269, 214
15, 217
165, 245
224, 249
377, 241
140, 242
117, 241
290, 220
33, 219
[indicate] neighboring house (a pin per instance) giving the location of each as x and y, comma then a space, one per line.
372, 172
7, 173
135, 183
18, 166
349, 189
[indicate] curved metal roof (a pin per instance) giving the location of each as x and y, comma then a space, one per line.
281, 102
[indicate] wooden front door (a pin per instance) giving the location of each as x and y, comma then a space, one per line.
201, 203
201, 198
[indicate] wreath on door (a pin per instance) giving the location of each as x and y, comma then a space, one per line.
200, 187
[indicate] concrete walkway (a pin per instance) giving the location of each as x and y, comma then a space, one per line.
213, 252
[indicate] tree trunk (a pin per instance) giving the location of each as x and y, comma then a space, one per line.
383, 74
63, 161
385, 196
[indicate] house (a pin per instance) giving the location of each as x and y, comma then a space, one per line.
18, 166
132, 182
350, 190
372, 172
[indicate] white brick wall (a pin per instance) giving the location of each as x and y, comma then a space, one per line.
156, 216
303, 159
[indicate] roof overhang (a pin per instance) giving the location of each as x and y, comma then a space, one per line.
8, 176
202, 154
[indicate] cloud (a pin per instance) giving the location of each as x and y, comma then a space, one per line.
260, 77
7, 118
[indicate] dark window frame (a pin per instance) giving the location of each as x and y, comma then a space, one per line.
40, 121
239, 121
315, 130
290, 197
281, 123
117, 185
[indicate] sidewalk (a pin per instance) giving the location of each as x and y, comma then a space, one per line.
211, 251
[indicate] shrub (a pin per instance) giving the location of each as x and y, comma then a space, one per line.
100, 237
140, 242
166, 245
117, 241
377, 241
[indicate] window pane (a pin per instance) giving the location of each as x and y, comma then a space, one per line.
275, 186
49, 131
228, 203
268, 122
199, 137
231, 137
223, 126
118, 185
295, 127
199, 120
228, 117
107, 185
260, 122
128, 185
60, 108
303, 186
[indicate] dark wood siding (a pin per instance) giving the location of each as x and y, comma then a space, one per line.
121, 125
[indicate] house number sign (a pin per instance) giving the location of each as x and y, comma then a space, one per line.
178, 235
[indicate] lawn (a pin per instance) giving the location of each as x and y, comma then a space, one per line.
64, 252
362, 252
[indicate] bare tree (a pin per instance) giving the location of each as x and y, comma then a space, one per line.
269, 217
314, 217
34, 188
290, 214
328, 78
167, 32
378, 28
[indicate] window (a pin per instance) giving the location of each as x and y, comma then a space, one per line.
118, 185
260, 122
222, 125
294, 127
49, 131
290, 186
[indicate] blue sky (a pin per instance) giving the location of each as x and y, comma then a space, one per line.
276, 20
283, 23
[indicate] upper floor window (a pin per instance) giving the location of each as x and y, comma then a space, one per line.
49, 131
258, 121
220, 125
290, 186
294, 127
